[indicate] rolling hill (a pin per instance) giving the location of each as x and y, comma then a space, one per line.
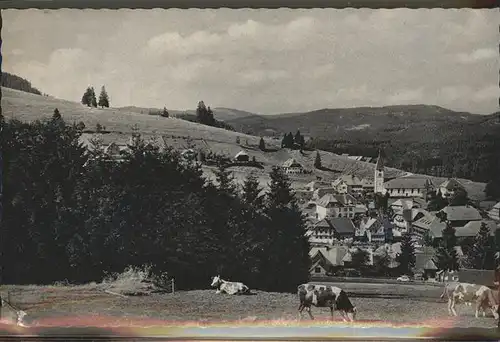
404, 123
120, 122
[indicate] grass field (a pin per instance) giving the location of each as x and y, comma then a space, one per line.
397, 304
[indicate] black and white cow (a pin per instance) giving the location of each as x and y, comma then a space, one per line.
228, 286
323, 296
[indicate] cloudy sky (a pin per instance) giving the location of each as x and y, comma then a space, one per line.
264, 61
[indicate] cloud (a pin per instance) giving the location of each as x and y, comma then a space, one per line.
477, 55
267, 61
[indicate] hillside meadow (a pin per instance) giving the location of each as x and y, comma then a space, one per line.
181, 134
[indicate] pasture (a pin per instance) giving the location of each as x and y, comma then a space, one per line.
407, 304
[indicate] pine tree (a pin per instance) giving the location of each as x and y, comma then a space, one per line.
165, 113
103, 98
482, 252
93, 100
298, 138
317, 161
210, 119
407, 257
262, 144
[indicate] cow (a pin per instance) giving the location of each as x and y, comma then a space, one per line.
488, 299
463, 293
322, 296
228, 286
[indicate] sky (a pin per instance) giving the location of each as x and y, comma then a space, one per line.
257, 60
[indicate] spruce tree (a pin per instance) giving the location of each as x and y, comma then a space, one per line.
407, 257
201, 113
482, 252
298, 138
225, 179
446, 257
165, 113
251, 192
87, 97
317, 161
103, 98
93, 100
287, 259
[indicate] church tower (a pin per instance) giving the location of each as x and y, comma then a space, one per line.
378, 178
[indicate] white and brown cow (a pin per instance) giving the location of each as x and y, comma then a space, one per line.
323, 296
228, 286
488, 299
467, 293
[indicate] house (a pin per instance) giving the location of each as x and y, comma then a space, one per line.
343, 226
326, 259
494, 213
411, 186
352, 184
315, 185
327, 230
472, 228
340, 205
242, 156
318, 193
291, 166
424, 262
381, 230
448, 187
407, 203
459, 216
428, 224
403, 218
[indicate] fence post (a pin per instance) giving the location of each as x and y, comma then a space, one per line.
173, 285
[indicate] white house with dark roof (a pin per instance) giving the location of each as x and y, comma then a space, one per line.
459, 216
407, 187
448, 187
340, 205
327, 230
428, 223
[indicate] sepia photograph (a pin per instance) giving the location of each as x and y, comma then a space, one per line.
259, 169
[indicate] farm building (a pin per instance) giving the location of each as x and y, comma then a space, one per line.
242, 156
352, 184
291, 166
424, 262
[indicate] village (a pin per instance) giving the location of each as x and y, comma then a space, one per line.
352, 235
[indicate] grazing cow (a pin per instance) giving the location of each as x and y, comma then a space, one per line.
322, 296
488, 299
228, 286
463, 293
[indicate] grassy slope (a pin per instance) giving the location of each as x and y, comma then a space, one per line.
29, 107
375, 302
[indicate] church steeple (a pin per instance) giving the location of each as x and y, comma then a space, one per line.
380, 161
378, 178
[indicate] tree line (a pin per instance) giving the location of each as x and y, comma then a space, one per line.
75, 208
